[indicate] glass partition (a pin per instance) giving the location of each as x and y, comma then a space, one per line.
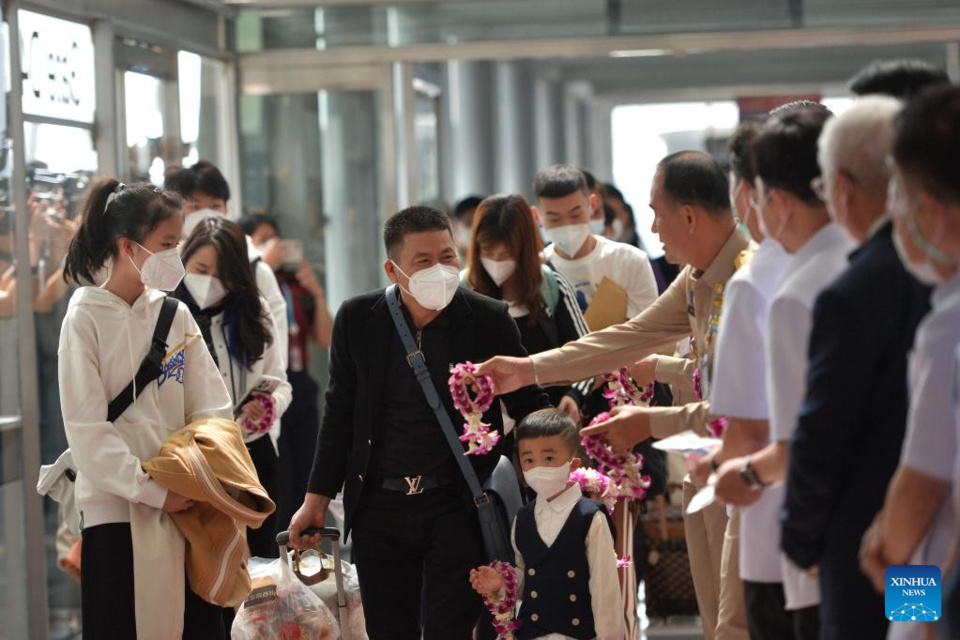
202, 94
144, 111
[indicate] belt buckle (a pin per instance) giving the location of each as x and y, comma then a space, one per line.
413, 485
411, 357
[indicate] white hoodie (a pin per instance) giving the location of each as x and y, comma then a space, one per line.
102, 343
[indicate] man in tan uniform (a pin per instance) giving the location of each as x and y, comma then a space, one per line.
690, 200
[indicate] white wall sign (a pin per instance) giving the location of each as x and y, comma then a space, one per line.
58, 70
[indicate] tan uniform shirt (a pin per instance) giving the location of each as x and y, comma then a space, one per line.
684, 307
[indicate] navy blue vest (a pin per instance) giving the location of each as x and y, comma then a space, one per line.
556, 591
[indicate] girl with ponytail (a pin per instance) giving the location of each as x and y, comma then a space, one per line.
133, 577
221, 292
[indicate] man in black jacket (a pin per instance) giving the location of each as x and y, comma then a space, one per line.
852, 422
415, 527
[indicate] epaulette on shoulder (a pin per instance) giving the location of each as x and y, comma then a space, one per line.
744, 257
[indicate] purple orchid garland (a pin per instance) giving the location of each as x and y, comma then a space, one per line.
717, 426
266, 421
464, 381
503, 609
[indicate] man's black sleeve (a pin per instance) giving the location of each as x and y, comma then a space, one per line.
336, 428
842, 355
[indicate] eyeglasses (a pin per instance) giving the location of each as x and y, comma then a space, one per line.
819, 185
759, 195
898, 203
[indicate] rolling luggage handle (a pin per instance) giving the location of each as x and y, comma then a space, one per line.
283, 539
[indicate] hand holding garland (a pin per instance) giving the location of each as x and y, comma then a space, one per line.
498, 585
258, 416
473, 395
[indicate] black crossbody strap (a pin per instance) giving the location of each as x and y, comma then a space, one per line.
419, 365
152, 365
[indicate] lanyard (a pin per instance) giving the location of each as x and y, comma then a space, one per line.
291, 316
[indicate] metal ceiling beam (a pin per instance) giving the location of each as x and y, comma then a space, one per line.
667, 44
299, 4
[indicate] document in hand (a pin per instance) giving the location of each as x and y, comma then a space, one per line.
687, 442
704, 498
266, 385
608, 306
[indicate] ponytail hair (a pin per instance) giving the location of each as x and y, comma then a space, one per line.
112, 211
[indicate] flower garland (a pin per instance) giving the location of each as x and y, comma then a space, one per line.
717, 426
622, 470
590, 480
265, 423
463, 381
624, 563
621, 390
617, 477
503, 609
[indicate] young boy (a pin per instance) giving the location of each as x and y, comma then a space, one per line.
566, 564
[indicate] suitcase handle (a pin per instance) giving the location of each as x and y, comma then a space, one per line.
283, 538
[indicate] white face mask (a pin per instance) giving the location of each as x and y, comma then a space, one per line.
499, 270
597, 227
924, 271
569, 238
766, 230
162, 271
191, 221
206, 290
434, 287
617, 228
548, 481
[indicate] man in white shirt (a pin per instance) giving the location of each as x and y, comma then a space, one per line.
917, 524
851, 426
618, 275
205, 193
785, 156
751, 558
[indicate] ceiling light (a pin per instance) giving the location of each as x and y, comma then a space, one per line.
640, 53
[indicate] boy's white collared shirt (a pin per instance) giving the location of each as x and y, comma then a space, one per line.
550, 516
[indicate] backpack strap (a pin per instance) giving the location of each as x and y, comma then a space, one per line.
152, 365
550, 289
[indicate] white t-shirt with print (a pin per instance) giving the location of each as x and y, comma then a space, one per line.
625, 264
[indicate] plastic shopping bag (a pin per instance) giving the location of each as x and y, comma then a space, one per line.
354, 621
280, 607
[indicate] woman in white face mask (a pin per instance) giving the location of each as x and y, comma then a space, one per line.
220, 290
504, 263
107, 331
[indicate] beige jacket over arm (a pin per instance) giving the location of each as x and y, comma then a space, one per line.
684, 307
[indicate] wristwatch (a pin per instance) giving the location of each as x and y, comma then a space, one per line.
750, 477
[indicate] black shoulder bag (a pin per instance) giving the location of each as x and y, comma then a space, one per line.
499, 499
152, 365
